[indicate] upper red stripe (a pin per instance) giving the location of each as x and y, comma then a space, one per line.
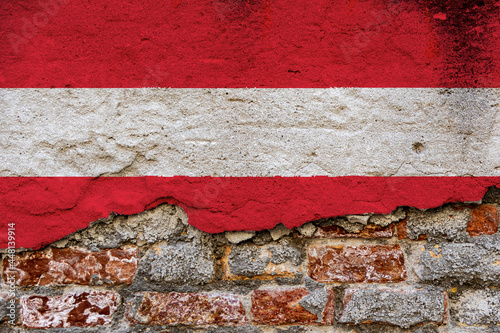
249, 43
47, 209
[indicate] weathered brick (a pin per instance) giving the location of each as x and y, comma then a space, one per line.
151, 308
351, 264
369, 231
236, 237
479, 307
460, 262
241, 262
401, 307
75, 266
287, 306
401, 229
446, 222
483, 221
84, 309
178, 263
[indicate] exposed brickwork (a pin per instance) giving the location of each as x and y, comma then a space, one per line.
403, 307
332, 275
75, 266
281, 306
84, 309
186, 263
370, 231
187, 309
351, 264
483, 221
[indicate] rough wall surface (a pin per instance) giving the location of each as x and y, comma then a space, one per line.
249, 43
250, 132
388, 133
46, 209
413, 270
402, 236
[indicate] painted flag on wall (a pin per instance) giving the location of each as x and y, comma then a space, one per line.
246, 113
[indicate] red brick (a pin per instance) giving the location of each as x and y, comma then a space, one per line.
74, 266
356, 264
187, 309
281, 306
401, 228
370, 231
84, 309
483, 221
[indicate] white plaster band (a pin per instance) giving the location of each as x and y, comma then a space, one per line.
250, 132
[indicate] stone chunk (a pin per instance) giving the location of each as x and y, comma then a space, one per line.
356, 264
163, 223
186, 309
401, 307
369, 231
307, 229
261, 262
320, 302
353, 227
384, 220
178, 263
480, 307
446, 222
83, 309
236, 237
361, 219
279, 231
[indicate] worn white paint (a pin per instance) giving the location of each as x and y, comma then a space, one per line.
250, 132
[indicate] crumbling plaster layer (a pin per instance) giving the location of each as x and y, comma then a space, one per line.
250, 132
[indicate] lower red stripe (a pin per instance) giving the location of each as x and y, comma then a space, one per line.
47, 209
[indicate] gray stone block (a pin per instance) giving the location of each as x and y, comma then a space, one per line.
401, 307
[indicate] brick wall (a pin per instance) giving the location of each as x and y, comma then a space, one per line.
420, 271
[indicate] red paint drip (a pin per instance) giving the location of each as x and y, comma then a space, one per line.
47, 209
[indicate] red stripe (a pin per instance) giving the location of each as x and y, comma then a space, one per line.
47, 209
249, 43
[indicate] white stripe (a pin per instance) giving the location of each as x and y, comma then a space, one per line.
250, 132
